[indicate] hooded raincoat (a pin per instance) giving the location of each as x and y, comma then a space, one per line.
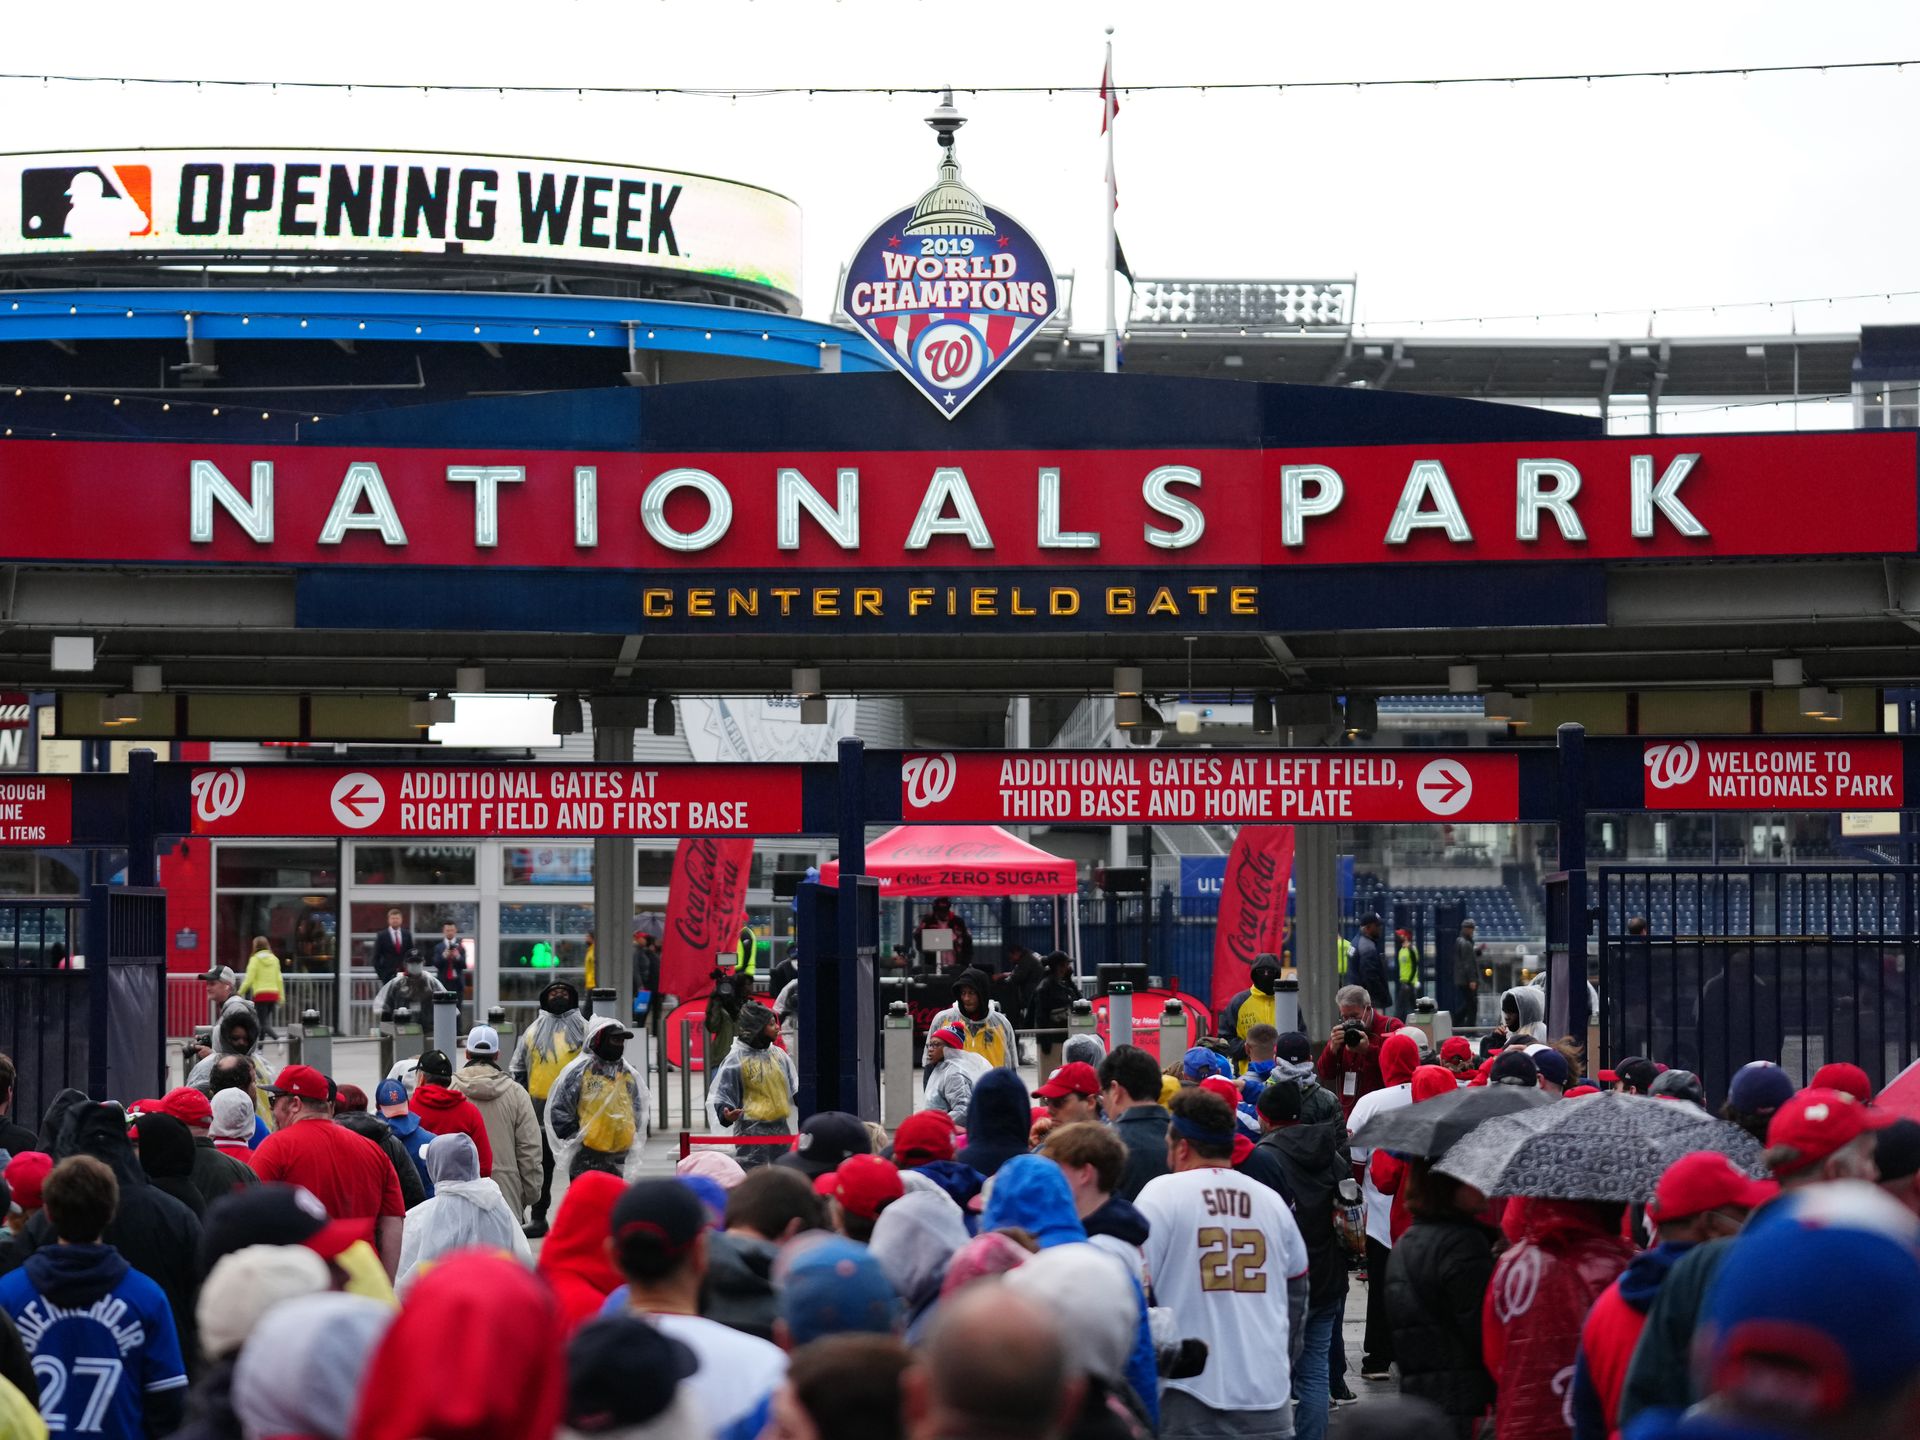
949, 1084
513, 1130
997, 1122
989, 1033
299, 1372
1531, 1006
550, 1043
573, 1259
438, 1373
466, 1211
759, 1081
598, 1112
913, 1240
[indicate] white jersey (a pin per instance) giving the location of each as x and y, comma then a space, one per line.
1221, 1250
1379, 1207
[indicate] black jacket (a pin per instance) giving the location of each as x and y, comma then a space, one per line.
1265, 1166
1367, 969
412, 1190
17, 1139
998, 1121
1315, 1160
215, 1174
738, 1289
387, 960
1143, 1130
1437, 1278
155, 1233
1050, 1009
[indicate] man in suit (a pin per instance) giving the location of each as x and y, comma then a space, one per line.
450, 959
392, 947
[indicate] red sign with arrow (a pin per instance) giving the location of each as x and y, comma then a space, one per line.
560, 801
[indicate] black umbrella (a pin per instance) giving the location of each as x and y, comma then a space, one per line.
1599, 1147
1431, 1127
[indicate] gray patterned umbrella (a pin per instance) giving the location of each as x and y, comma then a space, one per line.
1598, 1147
1433, 1127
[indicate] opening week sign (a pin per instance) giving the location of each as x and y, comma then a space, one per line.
1245, 787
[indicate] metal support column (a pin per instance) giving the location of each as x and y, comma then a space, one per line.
142, 803
613, 725
1567, 1004
1316, 923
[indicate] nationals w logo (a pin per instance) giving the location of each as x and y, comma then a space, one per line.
1672, 763
217, 794
928, 779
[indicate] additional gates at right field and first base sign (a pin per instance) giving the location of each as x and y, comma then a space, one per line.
1706, 969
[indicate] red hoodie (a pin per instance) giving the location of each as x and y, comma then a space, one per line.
1542, 1289
503, 1381
1429, 1082
448, 1112
573, 1259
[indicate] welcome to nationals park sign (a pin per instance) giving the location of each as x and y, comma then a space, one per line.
762, 506
987, 787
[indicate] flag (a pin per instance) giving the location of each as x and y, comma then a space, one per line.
1120, 265
1109, 97
706, 906
1253, 907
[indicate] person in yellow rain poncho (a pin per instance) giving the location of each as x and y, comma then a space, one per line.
989, 1033
753, 1090
598, 1111
556, 1036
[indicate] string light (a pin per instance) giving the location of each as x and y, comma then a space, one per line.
735, 94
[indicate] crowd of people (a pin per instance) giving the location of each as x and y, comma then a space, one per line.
1136, 1248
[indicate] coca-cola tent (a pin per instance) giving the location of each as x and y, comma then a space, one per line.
961, 860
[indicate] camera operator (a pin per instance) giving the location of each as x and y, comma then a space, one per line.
1350, 1064
731, 990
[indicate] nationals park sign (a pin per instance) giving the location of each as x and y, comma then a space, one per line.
897, 541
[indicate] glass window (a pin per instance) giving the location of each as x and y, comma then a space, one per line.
414, 864
277, 867
546, 864
654, 868
303, 929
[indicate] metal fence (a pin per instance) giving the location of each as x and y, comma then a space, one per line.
1709, 968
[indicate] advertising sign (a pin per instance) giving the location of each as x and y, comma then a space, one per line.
1774, 774
385, 202
35, 810
706, 905
1108, 787
950, 288
16, 731
1253, 907
556, 801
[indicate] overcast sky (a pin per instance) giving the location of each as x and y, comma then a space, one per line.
1466, 201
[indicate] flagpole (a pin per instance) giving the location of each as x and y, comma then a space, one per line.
1112, 343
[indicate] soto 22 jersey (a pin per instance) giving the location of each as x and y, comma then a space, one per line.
1220, 1253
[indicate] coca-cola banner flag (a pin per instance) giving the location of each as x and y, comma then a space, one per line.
1253, 906
1783, 774
706, 906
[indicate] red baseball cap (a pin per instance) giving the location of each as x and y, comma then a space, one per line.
923, 1136
303, 1082
865, 1185
1077, 1078
1456, 1047
1842, 1076
1703, 1181
1577, 1091
187, 1105
1819, 1122
1223, 1087
25, 1174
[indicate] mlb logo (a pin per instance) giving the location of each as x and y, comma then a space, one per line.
93, 204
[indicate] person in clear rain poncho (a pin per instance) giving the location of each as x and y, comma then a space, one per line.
753, 1090
558, 1033
465, 1211
598, 1112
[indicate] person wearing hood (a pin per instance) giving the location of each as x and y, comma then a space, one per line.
924, 1145
443, 1110
1031, 1193
83, 1311
997, 1121
1523, 1015
240, 1288
1436, 1284
214, 1173
165, 1148
467, 1211
475, 1351
574, 1260
155, 1233
1700, 1197
913, 1240
237, 1034
598, 1111
396, 1130
1399, 1058
300, 1371
753, 1091
1569, 1253
411, 990
988, 1032
1293, 1064
558, 1034
1050, 1007
230, 1125
1252, 1006
1314, 1161
506, 1109
952, 1071
765, 1212
1090, 1296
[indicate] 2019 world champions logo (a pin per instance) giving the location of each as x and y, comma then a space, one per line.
950, 288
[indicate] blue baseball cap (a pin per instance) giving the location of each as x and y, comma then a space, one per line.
1551, 1064
835, 1287
390, 1092
1201, 1062
1786, 1330
1758, 1086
